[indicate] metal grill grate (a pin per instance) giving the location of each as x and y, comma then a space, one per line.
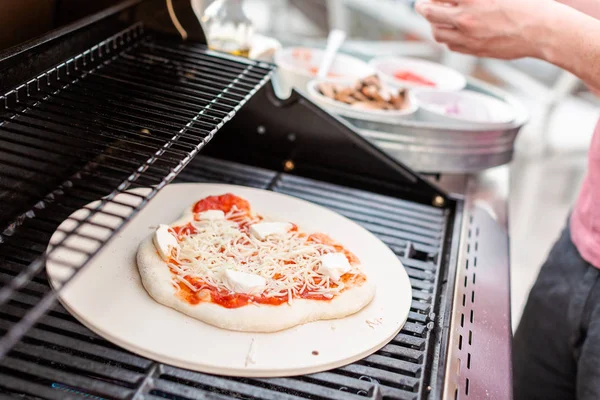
130, 112
59, 358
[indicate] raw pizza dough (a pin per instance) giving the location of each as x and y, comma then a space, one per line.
156, 278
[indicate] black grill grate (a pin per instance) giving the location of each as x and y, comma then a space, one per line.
59, 357
130, 112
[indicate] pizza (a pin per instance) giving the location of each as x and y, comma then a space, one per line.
226, 265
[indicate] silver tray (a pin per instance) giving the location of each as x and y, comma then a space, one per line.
447, 148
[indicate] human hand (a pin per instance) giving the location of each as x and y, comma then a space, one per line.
504, 29
593, 90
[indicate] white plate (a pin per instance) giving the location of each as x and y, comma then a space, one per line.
339, 108
467, 107
445, 78
108, 296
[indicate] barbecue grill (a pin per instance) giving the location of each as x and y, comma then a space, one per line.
117, 101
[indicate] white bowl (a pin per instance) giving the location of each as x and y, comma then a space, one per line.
444, 78
345, 110
465, 108
299, 65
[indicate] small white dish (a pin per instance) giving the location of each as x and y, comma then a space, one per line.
343, 109
464, 107
442, 77
296, 66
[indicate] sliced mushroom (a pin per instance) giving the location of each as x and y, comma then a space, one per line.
372, 92
372, 80
345, 98
367, 94
327, 89
400, 101
366, 105
359, 96
385, 94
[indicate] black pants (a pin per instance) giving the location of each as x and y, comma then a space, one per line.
556, 349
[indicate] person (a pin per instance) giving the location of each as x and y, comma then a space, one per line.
556, 348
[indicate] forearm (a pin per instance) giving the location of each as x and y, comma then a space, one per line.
589, 7
569, 39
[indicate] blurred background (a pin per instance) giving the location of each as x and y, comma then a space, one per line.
550, 151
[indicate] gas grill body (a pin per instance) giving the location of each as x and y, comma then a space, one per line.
117, 101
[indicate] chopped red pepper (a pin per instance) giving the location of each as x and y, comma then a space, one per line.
413, 78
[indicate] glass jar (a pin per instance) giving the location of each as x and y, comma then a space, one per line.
227, 27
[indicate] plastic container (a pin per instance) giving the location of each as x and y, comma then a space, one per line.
441, 77
299, 65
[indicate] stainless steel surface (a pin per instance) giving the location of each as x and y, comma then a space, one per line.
478, 364
432, 147
448, 151
487, 189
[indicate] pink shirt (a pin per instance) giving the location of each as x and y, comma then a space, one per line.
585, 220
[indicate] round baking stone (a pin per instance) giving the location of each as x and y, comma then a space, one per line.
108, 297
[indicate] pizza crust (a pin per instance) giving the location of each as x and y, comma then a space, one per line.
156, 278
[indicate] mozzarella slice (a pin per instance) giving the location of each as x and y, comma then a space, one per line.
333, 265
243, 282
164, 241
262, 230
225, 244
211, 215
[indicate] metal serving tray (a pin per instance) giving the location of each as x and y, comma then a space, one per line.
443, 148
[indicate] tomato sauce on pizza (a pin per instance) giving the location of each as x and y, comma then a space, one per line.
233, 257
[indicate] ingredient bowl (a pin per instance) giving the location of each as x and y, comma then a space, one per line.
416, 73
299, 65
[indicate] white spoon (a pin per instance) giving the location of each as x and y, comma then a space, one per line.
334, 41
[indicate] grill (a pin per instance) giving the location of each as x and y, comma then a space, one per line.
111, 105
66, 357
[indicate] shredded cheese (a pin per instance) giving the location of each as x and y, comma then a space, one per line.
288, 262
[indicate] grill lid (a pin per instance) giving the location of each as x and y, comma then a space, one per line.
297, 136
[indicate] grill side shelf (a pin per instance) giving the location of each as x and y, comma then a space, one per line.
130, 112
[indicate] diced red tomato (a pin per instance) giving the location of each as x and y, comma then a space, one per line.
302, 54
315, 70
413, 78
